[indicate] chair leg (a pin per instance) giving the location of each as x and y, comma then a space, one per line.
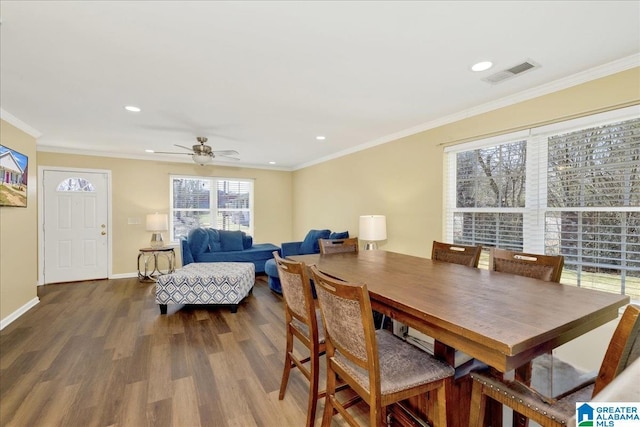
313, 387
478, 405
441, 402
287, 365
331, 394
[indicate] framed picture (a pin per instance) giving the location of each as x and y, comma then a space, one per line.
13, 177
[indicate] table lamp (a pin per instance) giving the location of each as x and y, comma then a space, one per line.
372, 228
157, 223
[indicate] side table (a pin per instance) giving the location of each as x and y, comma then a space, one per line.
149, 269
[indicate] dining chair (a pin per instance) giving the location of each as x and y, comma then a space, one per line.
303, 321
379, 367
332, 246
456, 254
543, 267
624, 348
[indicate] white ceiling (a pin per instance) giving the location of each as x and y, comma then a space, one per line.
265, 78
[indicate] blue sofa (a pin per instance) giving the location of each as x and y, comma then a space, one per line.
211, 245
308, 246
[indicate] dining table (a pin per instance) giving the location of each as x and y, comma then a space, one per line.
500, 319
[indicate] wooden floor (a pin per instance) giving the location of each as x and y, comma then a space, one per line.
100, 354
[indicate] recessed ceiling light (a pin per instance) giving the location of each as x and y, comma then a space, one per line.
132, 108
481, 66
320, 138
272, 163
149, 151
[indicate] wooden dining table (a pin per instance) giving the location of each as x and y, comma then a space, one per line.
500, 319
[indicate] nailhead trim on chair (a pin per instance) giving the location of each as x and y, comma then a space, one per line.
484, 383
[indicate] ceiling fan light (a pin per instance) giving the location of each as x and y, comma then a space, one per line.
202, 159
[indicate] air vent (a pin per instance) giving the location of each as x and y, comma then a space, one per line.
516, 70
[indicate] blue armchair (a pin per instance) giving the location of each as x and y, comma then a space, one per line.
308, 246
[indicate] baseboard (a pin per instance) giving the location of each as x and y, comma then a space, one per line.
123, 276
19, 312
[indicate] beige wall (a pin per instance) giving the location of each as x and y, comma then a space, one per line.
403, 179
18, 233
141, 187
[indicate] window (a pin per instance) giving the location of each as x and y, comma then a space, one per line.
75, 184
571, 188
210, 202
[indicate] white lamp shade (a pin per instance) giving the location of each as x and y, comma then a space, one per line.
373, 228
157, 222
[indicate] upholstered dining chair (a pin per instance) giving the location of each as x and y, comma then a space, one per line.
543, 267
468, 256
303, 321
457, 254
378, 366
624, 349
332, 246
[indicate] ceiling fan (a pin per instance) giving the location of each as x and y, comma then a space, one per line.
202, 153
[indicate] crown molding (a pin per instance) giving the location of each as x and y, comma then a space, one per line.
13, 120
604, 70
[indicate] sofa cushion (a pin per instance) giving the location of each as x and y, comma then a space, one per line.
339, 235
198, 241
310, 243
231, 240
214, 240
247, 241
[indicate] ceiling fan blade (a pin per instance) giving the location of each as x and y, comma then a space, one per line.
227, 157
226, 153
170, 152
182, 146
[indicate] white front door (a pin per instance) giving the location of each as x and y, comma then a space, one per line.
75, 213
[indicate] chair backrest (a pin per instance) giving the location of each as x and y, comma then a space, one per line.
332, 246
456, 254
543, 267
346, 314
296, 289
624, 348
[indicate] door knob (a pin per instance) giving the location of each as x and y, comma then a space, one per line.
103, 233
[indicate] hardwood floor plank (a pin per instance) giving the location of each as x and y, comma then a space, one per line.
185, 410
159, 413
228, 374
29, 411
57, 408
14, 392
98, 353
160, 385
134, 401
268, 379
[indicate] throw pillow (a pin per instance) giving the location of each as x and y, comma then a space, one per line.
214, 240
339, 235
231, 240
310, 243
198, 241
247, 241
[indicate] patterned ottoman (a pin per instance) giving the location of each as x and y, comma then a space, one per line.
206, 283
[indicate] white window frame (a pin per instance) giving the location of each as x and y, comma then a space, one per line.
536, 174
213, 201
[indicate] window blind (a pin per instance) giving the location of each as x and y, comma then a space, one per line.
579, 196
210, 202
